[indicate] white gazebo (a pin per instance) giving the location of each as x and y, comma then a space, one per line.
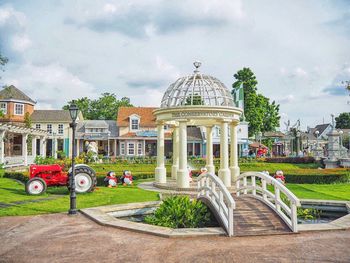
198, 100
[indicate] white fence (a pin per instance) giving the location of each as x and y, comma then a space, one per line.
255, 184
211, 188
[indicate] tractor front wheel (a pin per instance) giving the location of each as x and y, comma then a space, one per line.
36, 186
85, 180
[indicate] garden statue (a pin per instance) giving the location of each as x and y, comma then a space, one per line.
92, 148
111, 180
280, 177
126, 179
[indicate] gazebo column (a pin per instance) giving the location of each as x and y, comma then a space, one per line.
175, 166
209, 150
224, 172
234, 168
183, 179
24, 148
160, 170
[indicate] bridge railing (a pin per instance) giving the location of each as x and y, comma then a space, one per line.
255, 184
211, 188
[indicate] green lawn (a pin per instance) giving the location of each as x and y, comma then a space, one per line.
321, 191
12, 191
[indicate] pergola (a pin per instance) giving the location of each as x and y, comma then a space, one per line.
198, 100
21, 159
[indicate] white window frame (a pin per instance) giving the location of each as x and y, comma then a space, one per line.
59, 130
4, 109
132, 125
38, 126
49, 130
133, 148
122, 148
139, 148
15, 109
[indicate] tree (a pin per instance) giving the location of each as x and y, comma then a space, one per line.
343, 121
3, 61
194, 99
104, 108
258, 111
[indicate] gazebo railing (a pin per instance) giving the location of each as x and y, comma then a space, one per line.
255, 184
212, 189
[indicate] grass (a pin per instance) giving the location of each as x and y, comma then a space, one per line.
321, 191
12, 191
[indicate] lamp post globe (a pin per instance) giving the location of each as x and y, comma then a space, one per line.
317, 133
73, 111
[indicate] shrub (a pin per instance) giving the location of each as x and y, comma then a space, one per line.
180, 212
23, 177
290, 160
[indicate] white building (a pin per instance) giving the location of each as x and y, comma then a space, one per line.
56, 123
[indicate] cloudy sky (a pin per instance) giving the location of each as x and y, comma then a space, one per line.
61, 50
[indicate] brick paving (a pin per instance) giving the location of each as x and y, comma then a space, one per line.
62, 238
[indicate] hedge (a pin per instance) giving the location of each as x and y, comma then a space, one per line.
317, 178
23, 177
290, 160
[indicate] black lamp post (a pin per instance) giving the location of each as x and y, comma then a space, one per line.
73, 111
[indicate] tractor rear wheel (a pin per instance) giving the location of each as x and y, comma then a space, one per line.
85, 180
36, 186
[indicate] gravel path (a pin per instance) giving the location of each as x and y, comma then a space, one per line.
62, 238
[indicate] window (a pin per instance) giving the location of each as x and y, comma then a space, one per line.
139, 148
19, 109
131, 149
122, 148
3, 107
37, 126
49, 128
60, 128
134, 124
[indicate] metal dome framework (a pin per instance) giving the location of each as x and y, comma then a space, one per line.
197, 100
197, 89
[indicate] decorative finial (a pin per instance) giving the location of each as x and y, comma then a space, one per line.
333, 123
197, 64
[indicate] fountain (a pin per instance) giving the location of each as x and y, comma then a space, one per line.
336, 156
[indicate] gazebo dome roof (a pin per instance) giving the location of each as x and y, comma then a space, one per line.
197, 89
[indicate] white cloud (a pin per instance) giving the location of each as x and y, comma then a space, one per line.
50, 85
286, 99
21, 42
13, 26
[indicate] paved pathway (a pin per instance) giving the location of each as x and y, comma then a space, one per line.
61, 238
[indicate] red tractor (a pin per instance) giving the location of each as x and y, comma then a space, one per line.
42, 176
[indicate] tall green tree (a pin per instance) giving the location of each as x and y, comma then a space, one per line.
104, 108
3, 61
258, 111
343, 121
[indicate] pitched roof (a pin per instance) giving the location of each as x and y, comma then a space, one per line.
11, 92
111, 125
147, 119
52, 116
321, 127
194, 133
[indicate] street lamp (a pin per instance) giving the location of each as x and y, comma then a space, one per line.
317, 133
298, 142
73, 111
